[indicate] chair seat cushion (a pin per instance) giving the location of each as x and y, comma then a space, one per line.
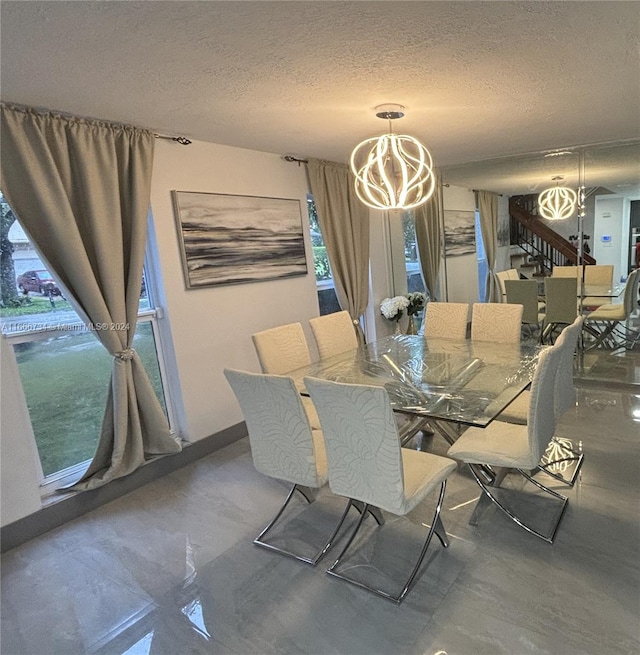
499, 444
517, 411
595, 302
610, 312
423, 472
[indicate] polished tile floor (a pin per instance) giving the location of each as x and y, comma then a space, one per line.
170, 569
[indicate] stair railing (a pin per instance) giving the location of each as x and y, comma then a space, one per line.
544, 246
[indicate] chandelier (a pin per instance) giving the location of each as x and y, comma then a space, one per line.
392, 171
557, 203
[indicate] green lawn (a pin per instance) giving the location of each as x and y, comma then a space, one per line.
66, 380
36, 305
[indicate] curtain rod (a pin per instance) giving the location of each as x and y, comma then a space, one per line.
476, 191
292, 158
306, 161
178, 139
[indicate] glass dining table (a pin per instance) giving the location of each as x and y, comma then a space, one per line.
445, 383
598, 294
603, 292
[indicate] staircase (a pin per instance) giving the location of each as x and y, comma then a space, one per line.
543, 247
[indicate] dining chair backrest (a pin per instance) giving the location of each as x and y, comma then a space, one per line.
497, 322
525, 293
334, 333
561, 299
541, 421
282, 349
600, 274
446, 320
565, 271
565, 392
503, 276
630, 298
363, 448
282, 444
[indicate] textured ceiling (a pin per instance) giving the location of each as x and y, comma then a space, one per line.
478, 79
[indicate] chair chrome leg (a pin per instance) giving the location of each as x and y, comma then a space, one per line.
488, 491
376, 513
441, 533
436, 528
259, 540
481, 506
309, 494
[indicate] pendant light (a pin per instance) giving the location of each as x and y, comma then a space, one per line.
392, 171
558, 202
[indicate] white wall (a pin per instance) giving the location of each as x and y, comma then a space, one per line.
461, 272
212, 327
611, 219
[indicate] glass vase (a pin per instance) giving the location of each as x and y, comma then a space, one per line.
411, 326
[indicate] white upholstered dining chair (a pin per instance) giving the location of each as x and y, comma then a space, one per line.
367, 465
283, 445
608, 323
561, 298
565, 271
525, 293
519, 448
503, 276
599, 274
446, 320
560, 451
497, 322
334, 333
282, 349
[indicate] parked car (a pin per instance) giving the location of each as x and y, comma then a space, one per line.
38, 281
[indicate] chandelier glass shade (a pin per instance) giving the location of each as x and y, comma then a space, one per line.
392, 171
557, 203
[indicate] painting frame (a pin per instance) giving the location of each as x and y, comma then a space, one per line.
229, 239
459, 232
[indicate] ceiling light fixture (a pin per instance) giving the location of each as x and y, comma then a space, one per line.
393, 171
557, 203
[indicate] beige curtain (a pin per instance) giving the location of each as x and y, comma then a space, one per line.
487, 203
429, 238
81, 191
344, 222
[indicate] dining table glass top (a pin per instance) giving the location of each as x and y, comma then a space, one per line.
594, 290
463, 381
603, 290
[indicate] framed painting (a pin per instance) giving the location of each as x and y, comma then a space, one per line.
459, 233
504, 227
229, 239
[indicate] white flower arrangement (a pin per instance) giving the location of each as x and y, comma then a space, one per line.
393, 308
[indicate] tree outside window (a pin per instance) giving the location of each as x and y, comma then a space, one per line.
327, 299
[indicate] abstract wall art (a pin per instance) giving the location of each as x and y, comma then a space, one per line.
229, 239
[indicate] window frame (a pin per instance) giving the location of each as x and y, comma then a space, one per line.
49, 484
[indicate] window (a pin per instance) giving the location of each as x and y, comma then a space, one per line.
483, 267
327, 299
411, 259
64, 370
